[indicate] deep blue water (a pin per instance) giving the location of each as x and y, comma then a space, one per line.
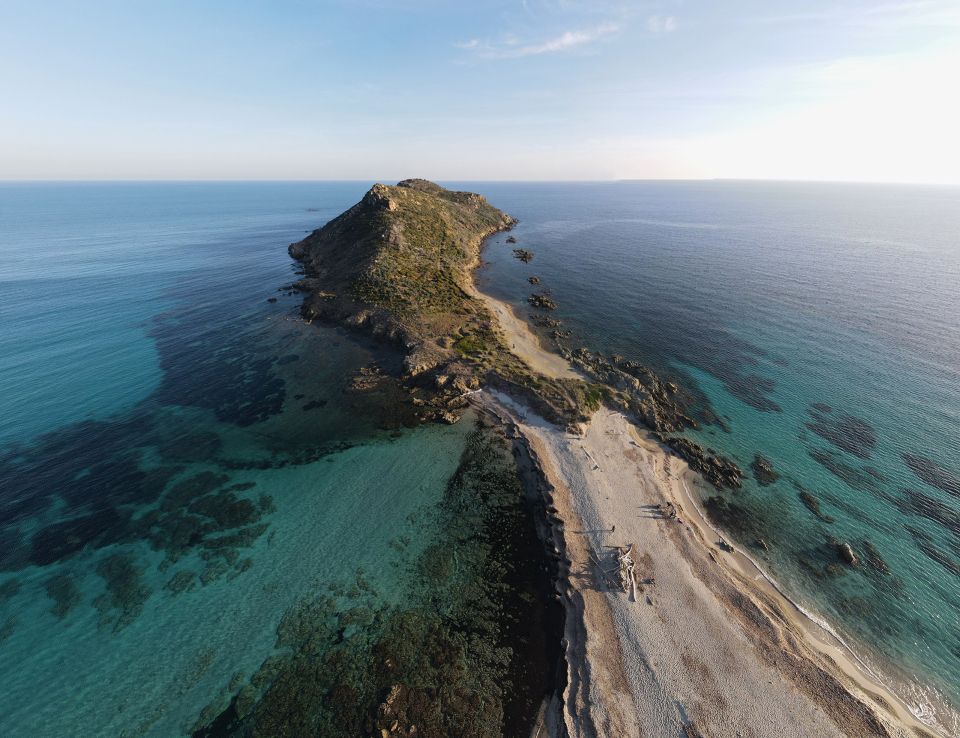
84, 268
821, 322
138, 352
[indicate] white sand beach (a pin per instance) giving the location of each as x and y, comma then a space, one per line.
707, 646
523, 342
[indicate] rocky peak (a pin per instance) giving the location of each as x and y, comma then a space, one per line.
378, 197
424, 185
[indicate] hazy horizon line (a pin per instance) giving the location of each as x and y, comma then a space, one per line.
306, 180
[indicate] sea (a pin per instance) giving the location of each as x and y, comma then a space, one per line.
217, 519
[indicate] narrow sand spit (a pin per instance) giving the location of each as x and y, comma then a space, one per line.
707, 647
524, 343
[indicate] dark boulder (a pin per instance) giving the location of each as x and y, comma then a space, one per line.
718, 470
542, 301
847, 554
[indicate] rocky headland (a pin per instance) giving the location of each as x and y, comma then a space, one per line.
399, 265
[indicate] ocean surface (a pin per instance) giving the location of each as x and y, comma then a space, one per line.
820, 324
215, 519
206, 519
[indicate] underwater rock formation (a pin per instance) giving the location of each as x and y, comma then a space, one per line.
467, 653
847, 432
933, 474
763, 471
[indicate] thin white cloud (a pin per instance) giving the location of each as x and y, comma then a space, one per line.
935, 13
512, 48
661, 24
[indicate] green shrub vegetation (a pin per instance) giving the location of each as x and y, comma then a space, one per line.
400, 262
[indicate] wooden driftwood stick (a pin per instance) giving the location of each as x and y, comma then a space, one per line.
627, 575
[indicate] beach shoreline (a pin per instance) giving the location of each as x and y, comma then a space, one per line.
523, 342
815, 683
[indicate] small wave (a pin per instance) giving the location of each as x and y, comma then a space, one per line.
919, 704
670, 223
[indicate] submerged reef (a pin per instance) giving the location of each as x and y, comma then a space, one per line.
126, 591
813, 505
915, 502
65, 594
733, 517
933, 474
858, 479
847, 432
763, 471
467, 652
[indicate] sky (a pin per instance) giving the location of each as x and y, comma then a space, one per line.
860, 90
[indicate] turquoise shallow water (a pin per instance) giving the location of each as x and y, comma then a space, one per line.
822, 324
203, 523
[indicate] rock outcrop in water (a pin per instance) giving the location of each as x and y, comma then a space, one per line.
845, 551
763, 471
717, 470
542, 301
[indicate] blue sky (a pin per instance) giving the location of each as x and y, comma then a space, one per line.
496, 89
